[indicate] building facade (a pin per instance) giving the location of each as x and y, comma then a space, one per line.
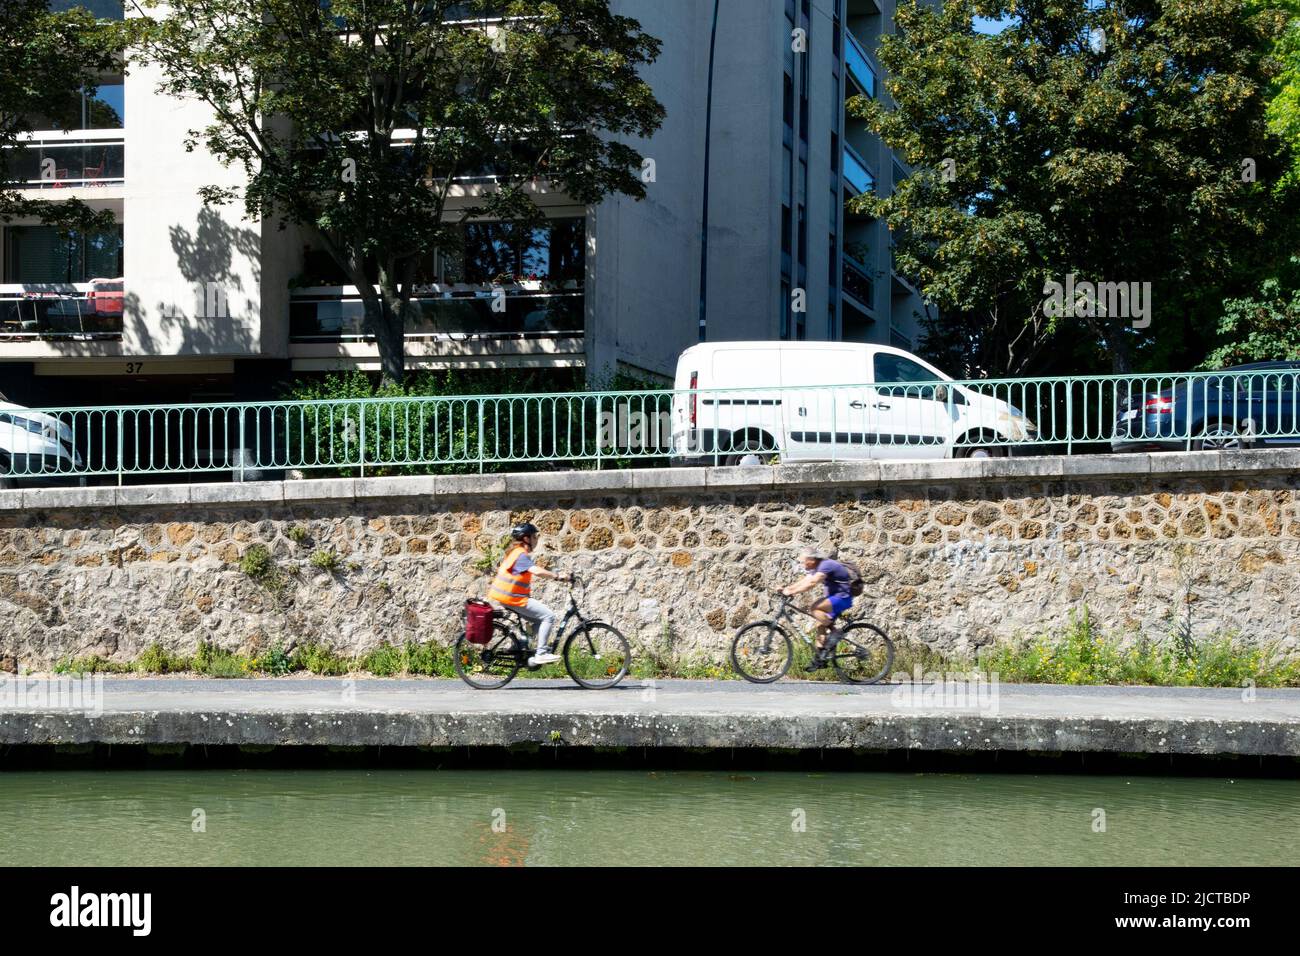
182, 302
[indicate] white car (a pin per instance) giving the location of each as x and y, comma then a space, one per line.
822, 401
34, 444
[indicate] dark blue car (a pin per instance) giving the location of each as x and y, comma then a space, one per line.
1254, 407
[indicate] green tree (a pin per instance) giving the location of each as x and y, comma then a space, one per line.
47, 60
1264, 327
1090, 138
354, 118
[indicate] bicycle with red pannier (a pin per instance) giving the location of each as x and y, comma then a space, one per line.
495, 646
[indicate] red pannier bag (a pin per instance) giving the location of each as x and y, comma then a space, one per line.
478, 621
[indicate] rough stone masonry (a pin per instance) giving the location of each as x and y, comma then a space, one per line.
956, 555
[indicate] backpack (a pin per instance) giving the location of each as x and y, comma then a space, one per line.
856, 586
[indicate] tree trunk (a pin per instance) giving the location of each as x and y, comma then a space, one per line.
392, 344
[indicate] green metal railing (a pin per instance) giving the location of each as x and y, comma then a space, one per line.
477, 433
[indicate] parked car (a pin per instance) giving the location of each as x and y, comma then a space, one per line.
35, 448
817, 401
1257, 406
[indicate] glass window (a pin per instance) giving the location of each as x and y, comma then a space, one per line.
552, 252
103, 9
37, 254
894, 369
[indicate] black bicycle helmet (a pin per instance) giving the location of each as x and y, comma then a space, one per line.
521, 531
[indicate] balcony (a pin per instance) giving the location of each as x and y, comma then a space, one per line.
458, 312
67, 160
858, 283
856, 174
79, 312
861, 71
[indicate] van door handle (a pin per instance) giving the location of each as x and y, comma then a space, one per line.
803, 411
882, 406
857, 404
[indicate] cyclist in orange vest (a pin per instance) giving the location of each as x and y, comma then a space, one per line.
512, 587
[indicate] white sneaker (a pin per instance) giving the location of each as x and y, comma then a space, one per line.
542, 658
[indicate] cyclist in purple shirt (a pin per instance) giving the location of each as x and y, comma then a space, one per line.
839, 598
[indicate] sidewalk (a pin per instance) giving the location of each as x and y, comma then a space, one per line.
678, 714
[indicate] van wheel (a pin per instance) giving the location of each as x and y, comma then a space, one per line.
982, 451
6, 480
763, 453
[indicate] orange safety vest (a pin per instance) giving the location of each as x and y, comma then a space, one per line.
510, 588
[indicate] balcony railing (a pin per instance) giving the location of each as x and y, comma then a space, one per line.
459, 312
860, 68
59, 160
857, 282
80, 311
856, 173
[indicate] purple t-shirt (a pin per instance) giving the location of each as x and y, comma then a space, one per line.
522, 563
838, 579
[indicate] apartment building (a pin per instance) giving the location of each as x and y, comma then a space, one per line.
181, 302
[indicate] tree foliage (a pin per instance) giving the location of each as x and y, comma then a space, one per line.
1098, 139
1263, 327
46, 61
354, 119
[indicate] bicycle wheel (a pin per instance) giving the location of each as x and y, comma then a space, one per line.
597, 656
864, 655
761, 652
488, 666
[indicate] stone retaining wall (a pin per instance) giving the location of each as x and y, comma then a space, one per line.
956, 554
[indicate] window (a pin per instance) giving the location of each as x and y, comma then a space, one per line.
554, 252
894, 369
36, 254
103, 9
785, 308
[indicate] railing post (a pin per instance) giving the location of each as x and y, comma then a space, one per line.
480, 436
243, 444
362, 432
1069, 418
835, 435
120, 425
600, 451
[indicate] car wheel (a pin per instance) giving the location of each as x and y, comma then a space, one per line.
1221, 436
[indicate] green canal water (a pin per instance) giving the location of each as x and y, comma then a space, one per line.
506, 817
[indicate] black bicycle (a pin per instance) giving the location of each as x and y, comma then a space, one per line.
762, 652
596, 655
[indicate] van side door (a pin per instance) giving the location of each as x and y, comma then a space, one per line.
827, 411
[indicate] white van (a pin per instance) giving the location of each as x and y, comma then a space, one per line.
821, 401
32, 443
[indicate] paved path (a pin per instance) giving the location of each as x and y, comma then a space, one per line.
371, 712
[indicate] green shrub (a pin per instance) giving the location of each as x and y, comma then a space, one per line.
158, 660
274, 661
385, 661
317, 659
1084, 655
257, 563
212, 661
429, 659
325, 560
92, 664
298, 534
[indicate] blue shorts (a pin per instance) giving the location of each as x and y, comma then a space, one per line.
839, 604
